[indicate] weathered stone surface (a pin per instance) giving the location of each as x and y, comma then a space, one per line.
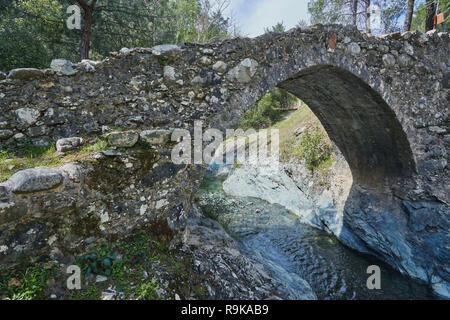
36, 179
388, 60
155, 136
166, 50
37, 131
27, 116
206, 77
4, 134
124, 139
170, 74
3, 75
63, 66
244, 71
67, 144
220, 67
25, 74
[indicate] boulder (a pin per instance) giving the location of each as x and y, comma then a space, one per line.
25, 74
26, 116
165, 50
67, 144
63, 66
5, 134
244, 71
155, 136
125, 139
36, 179
220, 67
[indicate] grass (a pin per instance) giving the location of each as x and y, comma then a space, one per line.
27, 281
29, 156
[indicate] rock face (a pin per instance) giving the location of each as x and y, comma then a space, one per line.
231, 275
384, 125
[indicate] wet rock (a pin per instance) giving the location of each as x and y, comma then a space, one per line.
25, 74
63, 66
36, 179
125, 139
3, 75
244, 71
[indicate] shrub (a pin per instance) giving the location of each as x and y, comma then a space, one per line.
315, 149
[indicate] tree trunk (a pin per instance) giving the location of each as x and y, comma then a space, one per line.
85, 44
431, 10
368, 28
409, 15
355, 12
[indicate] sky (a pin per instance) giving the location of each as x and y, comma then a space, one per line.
255, 15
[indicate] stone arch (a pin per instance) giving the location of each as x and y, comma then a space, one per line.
356, 117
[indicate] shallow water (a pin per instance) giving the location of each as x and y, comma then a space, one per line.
273, 236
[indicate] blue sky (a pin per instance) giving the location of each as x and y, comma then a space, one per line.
255, 15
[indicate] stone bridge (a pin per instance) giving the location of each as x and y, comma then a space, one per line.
384, 101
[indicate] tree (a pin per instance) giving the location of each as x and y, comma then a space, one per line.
408, 16
279, 27
356, 12
430, 13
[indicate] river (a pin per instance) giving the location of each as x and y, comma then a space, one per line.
273, 236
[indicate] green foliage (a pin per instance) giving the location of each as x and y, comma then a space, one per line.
26, 281
340, 11
25, 157
33, 32
315, 149
418, 21
147, 291
279, 27
268, 110
98, 261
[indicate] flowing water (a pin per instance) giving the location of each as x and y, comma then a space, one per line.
272, 236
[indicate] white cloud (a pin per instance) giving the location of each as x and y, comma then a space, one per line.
255, 15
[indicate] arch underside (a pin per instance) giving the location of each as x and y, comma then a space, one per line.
358, 120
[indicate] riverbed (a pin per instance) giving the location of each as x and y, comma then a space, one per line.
273, 236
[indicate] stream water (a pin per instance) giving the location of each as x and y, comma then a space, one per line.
272, 236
